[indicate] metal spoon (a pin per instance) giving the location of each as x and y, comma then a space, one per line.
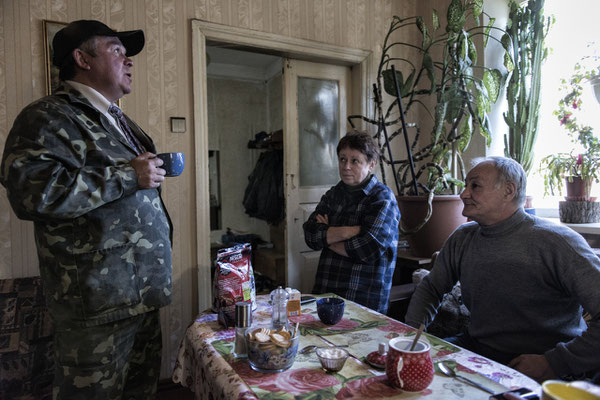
448, 371
310, 348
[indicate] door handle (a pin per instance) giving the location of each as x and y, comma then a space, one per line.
298, 215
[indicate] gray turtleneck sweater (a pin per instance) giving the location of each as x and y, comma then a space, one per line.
524, 280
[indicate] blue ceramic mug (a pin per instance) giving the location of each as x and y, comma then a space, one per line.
330, 310
173, 163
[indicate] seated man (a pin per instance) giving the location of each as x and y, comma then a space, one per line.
524, 280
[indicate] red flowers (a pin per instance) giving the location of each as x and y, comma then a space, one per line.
565, 118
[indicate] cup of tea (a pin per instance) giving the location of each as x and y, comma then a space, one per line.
173, 163
409, 370
577, 390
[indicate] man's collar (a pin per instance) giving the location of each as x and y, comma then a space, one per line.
92, 95
74, 95
505, 225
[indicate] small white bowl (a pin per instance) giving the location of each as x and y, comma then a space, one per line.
332, 358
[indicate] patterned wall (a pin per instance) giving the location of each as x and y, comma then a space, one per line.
162, 89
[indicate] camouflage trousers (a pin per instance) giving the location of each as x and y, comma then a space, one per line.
118, 360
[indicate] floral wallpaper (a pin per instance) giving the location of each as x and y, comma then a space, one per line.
162, 89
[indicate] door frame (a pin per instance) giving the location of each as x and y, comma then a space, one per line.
360, 60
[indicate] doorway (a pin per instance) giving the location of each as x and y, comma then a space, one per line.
205, 34
245, 146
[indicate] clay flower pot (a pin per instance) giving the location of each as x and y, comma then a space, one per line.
446, 217
578, 189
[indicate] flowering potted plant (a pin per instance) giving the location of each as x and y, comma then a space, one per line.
578, 171
577, 168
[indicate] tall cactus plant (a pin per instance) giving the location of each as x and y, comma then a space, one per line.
524, 40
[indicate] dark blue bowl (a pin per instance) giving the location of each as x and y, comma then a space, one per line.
330, 310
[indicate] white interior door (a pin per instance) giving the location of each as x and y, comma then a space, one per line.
315, 103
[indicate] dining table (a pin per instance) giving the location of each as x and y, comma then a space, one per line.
206, 364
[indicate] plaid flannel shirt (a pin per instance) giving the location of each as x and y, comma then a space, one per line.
365, 276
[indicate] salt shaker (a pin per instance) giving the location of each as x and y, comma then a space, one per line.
279, 299
243, 320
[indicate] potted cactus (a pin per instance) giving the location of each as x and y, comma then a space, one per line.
526, 31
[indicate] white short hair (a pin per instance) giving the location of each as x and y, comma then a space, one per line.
508, 171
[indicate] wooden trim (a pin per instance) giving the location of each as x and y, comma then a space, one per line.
201, 146
284, 46
49, 29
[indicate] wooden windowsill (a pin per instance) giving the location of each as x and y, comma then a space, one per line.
591, 228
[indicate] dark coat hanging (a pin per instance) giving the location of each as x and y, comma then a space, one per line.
263, 197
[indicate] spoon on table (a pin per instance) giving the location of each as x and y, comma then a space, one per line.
310, 348
448, 371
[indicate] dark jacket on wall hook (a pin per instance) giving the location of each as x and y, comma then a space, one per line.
263, 197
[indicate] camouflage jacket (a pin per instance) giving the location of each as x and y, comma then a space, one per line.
104, 246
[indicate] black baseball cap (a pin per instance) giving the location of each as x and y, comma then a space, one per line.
71, 36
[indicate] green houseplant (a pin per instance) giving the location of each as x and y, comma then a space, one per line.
526, 31
574, 165
441, 77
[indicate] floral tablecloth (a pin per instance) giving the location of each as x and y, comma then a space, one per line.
206, 365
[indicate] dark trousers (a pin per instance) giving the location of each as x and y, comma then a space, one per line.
117, 360
465, 341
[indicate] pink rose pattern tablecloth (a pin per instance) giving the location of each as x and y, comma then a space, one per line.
206, 365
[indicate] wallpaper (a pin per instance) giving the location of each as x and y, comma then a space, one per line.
162, 89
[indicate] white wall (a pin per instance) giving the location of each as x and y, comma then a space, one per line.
237, 111
275, 102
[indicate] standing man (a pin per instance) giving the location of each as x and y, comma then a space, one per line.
524, 280
87, 176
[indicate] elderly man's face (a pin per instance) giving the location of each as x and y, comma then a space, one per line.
484, 200
353, 166
111, 68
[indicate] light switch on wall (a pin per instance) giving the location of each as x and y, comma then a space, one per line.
177, 124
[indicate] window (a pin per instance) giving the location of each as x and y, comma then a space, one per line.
571, 38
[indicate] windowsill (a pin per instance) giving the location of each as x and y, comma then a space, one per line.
546, 212
591, 228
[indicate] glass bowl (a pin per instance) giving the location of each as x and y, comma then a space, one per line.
271, 350
332, 358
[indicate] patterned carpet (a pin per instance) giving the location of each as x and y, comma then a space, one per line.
26, 350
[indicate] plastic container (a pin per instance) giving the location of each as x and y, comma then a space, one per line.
293, 306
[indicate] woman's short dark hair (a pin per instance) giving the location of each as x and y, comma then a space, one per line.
361, 141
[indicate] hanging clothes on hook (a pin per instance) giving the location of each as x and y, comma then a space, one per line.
263, 197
